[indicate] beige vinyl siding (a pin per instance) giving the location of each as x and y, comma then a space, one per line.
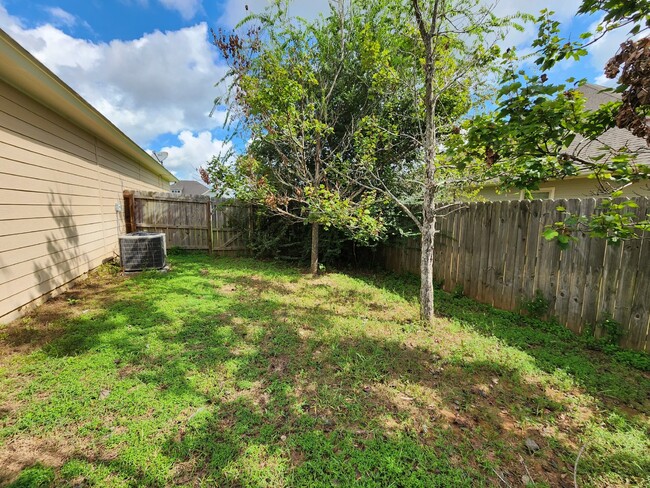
58, 189
569, 188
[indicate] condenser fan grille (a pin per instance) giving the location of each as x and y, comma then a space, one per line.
142, 250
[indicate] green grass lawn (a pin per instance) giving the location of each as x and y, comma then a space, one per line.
243, 373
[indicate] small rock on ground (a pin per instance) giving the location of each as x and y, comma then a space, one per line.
532, 445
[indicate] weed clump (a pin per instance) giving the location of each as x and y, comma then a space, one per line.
536, 307
604, 336
458, 291
175, 251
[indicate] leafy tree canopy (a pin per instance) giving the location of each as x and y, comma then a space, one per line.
333, 111
538, 130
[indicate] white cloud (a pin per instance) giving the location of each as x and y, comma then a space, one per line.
61, 17
160, 83
187, 8
603, 49
194, 151
57, 50
235, 10
7, 21
564, 11
604, 81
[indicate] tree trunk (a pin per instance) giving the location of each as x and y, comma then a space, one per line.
314, 226
428, 205
427, 308
314, 248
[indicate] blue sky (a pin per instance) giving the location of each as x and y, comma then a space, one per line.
149, 67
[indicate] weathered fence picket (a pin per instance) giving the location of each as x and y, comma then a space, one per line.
231, 227
494, 251
190, 222
183, 219
497, 254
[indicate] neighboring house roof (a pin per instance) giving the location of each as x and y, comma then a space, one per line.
24, 72
614, 138
595, 96
190, 187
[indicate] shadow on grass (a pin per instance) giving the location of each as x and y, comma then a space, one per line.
273, 412
221, 382
554, 348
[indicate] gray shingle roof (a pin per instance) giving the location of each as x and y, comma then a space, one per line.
189, 187
614, 138
595, 96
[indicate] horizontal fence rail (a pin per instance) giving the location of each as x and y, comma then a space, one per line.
193, 222
496, 253
185, 220
231, 227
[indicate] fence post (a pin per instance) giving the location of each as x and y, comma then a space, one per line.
208, 212
250, 223
129, 211
507, 260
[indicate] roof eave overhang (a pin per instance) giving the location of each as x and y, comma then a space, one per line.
21, 70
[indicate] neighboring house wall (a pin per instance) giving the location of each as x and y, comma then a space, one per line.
582, 186
58, 189
568, 188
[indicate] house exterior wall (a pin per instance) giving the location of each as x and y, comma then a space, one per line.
569, 188
58, 189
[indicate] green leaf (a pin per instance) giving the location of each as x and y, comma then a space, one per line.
563, 241
550, 234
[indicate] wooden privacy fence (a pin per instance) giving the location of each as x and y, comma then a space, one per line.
189, 222
231, 227
185, 220
496, 253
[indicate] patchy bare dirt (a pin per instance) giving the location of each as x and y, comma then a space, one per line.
47, 322
379, 376
21, 453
